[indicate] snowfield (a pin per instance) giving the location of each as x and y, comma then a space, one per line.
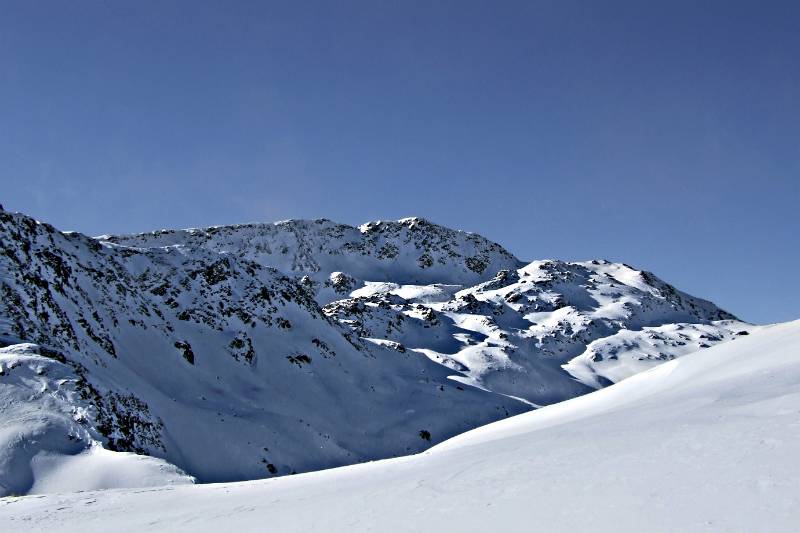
706, 442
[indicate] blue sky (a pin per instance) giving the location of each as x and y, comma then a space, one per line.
662, 134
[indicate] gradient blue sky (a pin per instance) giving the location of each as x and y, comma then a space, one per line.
662, 134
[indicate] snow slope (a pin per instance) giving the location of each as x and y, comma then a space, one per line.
707, 442
546, 332
46, 444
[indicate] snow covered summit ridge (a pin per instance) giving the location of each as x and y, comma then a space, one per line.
409, 251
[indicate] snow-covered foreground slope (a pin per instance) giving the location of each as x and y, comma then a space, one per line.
708, 442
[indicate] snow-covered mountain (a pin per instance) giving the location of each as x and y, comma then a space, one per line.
251, 351
707, 442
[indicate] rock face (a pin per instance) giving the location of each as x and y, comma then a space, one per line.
256, 350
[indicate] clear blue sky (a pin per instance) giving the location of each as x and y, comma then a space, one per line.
663, 134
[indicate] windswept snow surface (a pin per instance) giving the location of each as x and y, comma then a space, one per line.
707, 442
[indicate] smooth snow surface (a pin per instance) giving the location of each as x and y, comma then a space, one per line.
707, 442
